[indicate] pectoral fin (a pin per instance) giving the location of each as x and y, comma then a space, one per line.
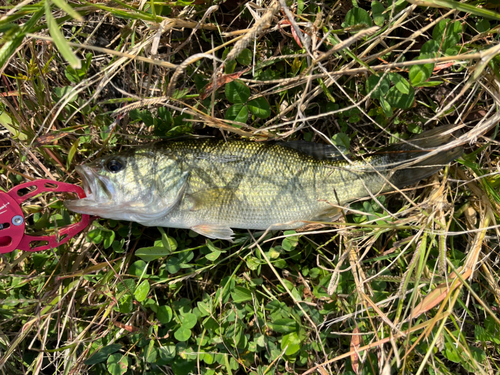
209, 198
214, 231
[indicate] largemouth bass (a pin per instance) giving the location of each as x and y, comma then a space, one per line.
211, 186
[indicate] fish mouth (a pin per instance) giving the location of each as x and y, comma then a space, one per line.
88, 178
98, 190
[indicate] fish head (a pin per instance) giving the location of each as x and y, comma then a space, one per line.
129, 186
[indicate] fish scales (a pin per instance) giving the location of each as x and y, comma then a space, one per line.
246, 185
211, 186
256, 185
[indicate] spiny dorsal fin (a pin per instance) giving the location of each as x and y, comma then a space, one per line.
316, 150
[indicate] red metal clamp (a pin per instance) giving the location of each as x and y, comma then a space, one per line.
12, 221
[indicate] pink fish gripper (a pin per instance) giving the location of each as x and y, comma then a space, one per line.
13, 222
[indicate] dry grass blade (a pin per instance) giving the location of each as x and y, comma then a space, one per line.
263, 23
355, 344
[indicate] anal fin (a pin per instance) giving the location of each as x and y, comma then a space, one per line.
214, 231
329, 214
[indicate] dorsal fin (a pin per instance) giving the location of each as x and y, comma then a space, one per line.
316, 150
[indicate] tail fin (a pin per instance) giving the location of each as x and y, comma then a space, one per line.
406, 155
425, 168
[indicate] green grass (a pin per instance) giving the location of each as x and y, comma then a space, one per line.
405, 284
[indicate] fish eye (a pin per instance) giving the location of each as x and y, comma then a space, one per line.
114, 166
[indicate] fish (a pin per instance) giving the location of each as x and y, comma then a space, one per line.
214, 186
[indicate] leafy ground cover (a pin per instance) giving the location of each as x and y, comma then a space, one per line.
404, 283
